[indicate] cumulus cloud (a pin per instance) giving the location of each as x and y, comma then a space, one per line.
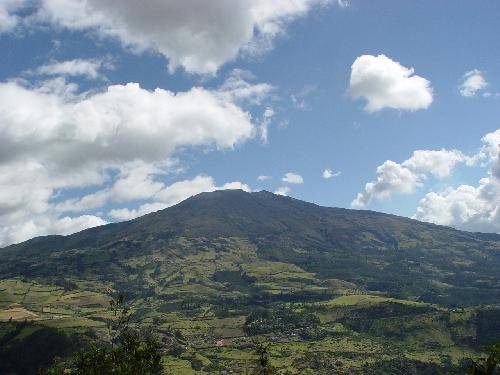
404, 178
472, 82
392, 177
293, 178
196, 35
47, 225
468, 207
55, 139
175, 193
115, 124
385, 83
135, 181
26, 190
475, 208
491, 152
283, 190
88, 68
439, 163
328, 173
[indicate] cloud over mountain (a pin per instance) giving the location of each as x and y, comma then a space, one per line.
293, 178
475, 208
55, 139
468, 207
404, 178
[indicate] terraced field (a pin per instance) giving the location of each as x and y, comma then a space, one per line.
355, 331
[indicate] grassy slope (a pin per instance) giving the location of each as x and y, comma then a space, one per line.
206, 305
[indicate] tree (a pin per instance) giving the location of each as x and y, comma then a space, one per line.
486, 366
264, 366
127, 351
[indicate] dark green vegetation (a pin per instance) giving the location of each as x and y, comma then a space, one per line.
489, 365
124, 350
335, 290
27, 347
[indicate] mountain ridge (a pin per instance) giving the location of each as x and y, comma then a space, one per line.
240, 193
382, 253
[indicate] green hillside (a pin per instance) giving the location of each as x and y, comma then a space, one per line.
333, 289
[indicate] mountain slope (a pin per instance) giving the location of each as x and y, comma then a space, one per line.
375, 252
335, 290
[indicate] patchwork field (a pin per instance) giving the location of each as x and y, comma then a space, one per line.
207, 334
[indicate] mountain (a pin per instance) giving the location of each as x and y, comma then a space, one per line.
228, 266
377, 252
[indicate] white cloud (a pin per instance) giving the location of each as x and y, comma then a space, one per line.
175, 193
472, 82
26, 190
466, 207
9, 18
200, 36
264, 124
491, 152
283, 190
181, 190
88, 68
55, 139
123, 123
406, 177
293, 178
135, 181
439, 163
328, 173
263, 178
392, 177
475, 208
385, 83
237, 88
25, 193
47, 225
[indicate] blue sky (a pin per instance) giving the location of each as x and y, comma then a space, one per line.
398, 100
